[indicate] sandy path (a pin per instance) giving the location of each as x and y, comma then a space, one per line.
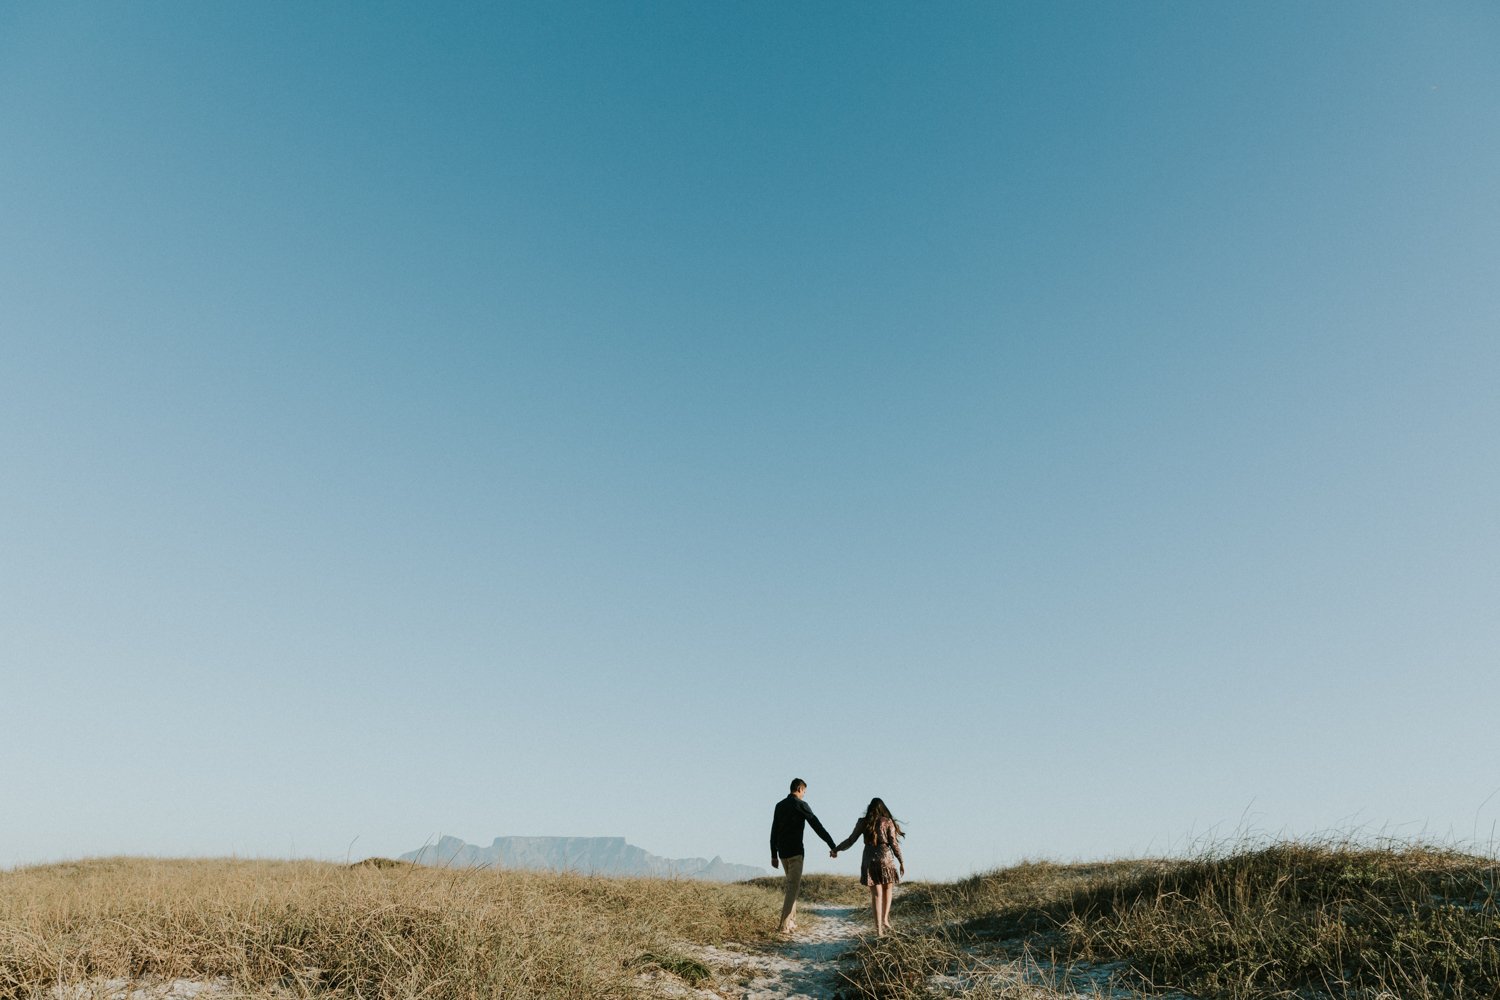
806, 966
803, 965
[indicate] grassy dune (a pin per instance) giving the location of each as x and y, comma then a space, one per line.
297, 928
1287, 920
1292, 919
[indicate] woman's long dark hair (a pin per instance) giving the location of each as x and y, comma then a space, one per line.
874, 813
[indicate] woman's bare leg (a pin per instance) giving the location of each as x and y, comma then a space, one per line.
882, 894
875, 905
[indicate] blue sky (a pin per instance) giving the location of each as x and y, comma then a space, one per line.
1075, 424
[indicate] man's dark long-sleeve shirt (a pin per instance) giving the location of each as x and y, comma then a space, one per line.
787, 825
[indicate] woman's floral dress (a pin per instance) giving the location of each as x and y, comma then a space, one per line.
881, 862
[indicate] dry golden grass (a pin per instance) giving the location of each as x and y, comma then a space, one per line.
297, 928
1332, 919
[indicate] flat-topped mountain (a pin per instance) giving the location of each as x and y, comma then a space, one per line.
588, 855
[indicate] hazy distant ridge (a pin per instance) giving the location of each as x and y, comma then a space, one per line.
588, 855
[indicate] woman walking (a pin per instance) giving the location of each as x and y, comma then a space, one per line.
878, 865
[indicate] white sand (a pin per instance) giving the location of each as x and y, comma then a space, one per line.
122, 989
804, 964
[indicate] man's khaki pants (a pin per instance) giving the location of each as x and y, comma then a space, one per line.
793, 869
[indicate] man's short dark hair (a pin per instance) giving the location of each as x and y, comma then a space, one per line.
797, 783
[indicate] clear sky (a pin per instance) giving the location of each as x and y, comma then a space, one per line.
1075, 423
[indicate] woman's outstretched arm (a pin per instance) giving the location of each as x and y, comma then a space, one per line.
859, 828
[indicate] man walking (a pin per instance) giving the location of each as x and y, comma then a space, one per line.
792, 814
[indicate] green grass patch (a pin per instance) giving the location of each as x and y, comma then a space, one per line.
689, 970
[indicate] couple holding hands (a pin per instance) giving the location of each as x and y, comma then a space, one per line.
880, 867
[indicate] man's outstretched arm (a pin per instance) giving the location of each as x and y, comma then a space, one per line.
807, 814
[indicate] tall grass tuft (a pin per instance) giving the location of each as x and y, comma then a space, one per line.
1327, 919
297, 928
1341, 920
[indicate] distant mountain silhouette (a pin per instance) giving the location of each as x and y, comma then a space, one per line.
587, 855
